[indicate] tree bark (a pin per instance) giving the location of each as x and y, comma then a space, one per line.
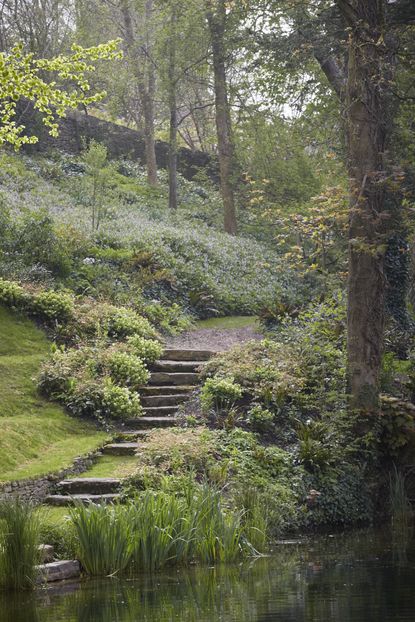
144, 73
368, 126
173, 111
216, 16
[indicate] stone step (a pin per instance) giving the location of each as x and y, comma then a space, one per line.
120, 449
171, 354
151, 422
166, 390
128, 435
177, 366
86, 485
160, 378
159, 411
71, 499
164, 400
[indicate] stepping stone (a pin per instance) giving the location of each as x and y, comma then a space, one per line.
70, 499
160, 378
93, 485
166, 390
177, 366
120, 449
152, 422
164, 400
160, 410
57, 571
187, 355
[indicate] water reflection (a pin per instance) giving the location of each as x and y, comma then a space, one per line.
355, 578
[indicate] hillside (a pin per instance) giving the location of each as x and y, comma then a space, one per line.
37, 436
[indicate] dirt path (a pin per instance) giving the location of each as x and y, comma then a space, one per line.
216, 339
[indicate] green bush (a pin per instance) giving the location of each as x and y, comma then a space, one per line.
260, 419
124, 322
121, 402
148, 350
12, 294
50, 305
127, 369
58, 373
219, 394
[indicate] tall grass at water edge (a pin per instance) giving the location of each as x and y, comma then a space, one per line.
159, 529
19, 544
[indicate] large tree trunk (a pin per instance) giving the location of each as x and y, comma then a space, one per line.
368, 125
216, 15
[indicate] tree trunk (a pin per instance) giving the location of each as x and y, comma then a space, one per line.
144, 73
216, 17
173, 111
367, 130
149, 97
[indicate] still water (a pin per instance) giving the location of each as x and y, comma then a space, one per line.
363, 577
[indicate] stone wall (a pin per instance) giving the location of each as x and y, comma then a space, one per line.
37, 489
121, 142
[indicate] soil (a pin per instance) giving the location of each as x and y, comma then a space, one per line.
215, 339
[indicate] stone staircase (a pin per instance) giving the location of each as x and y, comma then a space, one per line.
172, 379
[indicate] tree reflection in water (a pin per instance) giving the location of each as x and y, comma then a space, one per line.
350, 578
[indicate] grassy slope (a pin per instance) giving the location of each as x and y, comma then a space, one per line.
36, 436
233, 321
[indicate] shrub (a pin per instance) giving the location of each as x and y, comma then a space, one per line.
124, 322
50, 305
219, 394
58, 374
85, 399
19, 541
260, 419
12, 294
148, 350
121, 402
127, 369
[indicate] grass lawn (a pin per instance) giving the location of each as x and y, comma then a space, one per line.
233, 321
112, 466
36, 436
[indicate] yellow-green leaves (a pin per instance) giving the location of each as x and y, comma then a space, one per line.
22, 76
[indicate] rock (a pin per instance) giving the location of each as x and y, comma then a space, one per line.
46, 552
57, 571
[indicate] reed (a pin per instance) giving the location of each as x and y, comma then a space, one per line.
158, 529
19, 544
105, 539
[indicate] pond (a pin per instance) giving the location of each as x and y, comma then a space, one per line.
361, 577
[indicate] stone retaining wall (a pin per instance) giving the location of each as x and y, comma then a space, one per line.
37, 489
122, 142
